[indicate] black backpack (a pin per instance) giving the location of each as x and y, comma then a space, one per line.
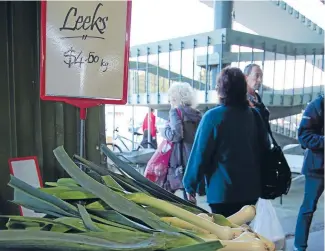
275, 172
189, 128
189, 132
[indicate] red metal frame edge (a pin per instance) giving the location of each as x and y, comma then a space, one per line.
11, 170
84, 102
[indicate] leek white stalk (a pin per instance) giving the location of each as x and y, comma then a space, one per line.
249, 235
269, 243
245, 242
244, 215
207, 237
205, 216
255, 245
222, 232
247, 229
184, 225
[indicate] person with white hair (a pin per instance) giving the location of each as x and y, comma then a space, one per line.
180, 129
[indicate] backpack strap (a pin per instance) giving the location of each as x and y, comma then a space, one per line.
259, 99
321, 110
260, 122
179, 112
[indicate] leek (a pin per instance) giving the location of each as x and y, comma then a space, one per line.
75, 224
69, 193
223, 232
154, 188
176, 222
62, 241
89, 224
243, 216
110, 218
114, 200
207, 246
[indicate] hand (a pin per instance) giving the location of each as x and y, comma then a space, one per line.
191, 198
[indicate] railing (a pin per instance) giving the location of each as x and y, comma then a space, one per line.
287, 126
309, 13
293, 73
298, 9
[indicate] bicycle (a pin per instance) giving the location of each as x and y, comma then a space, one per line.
114, 146
138, 157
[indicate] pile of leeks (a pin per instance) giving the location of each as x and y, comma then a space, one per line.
103, 210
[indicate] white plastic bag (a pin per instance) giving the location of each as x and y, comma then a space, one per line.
267, 224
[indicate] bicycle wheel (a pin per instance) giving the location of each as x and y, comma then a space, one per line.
113, 147
145, 146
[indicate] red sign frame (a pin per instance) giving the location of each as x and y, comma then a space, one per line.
11, 171
84, 102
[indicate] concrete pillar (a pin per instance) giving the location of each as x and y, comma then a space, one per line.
222, 19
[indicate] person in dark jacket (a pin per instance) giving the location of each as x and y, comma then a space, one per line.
311, 138
226, 148
254, 79
181, 128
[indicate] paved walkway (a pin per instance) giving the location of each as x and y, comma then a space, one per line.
316, 242
288, 212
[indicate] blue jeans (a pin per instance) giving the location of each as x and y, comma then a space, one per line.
314, 188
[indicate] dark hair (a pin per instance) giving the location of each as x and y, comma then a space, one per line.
248, 69
232, 87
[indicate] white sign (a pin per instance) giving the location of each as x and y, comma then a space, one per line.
27, 170
85, 49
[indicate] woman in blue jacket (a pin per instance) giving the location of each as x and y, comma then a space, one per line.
226, 149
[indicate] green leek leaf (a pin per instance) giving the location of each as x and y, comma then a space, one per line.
69, 193
67, 182
129, 184
38, 199
167, 239
114, 216
32, 202
151, 187
73, 242
110, 182
221, 220
206, 246
72, 223
98, 205
51, 184
60, 228
114, 200
78, 224
87, 219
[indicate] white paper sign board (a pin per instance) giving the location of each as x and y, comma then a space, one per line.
27, 170
85, 49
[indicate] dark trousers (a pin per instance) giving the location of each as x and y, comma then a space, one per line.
145, 140
228, 209
314, 188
